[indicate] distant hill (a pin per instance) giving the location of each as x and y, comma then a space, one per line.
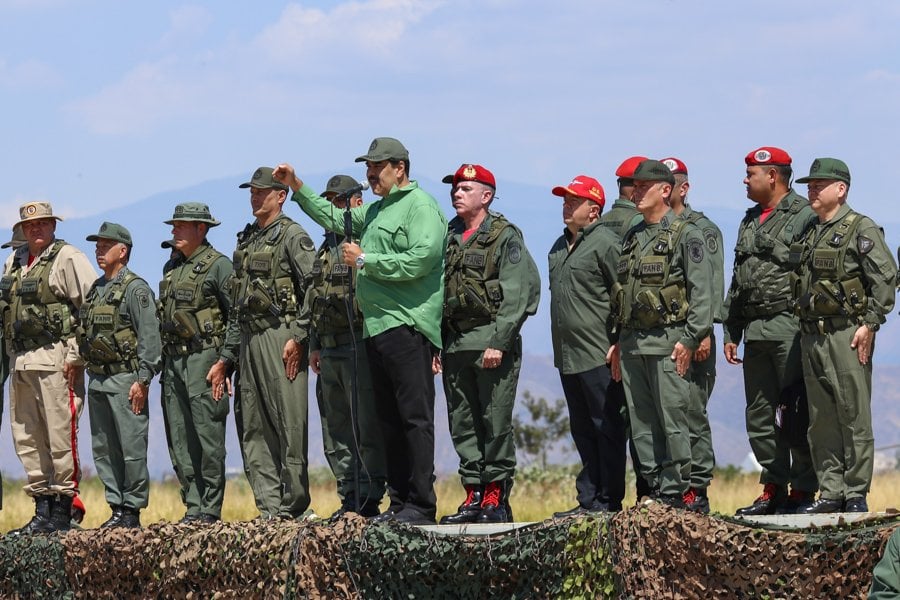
539, 216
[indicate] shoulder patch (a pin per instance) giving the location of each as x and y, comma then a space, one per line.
712, 244
864, 244
306, 242
695, 250
144, 298
515, 252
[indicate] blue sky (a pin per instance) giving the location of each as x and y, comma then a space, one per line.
108, 102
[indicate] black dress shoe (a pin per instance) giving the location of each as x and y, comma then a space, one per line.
823, 506
856, 505
578, 511
387, 516
410, 516
767, 503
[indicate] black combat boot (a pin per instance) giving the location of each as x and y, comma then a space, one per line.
61, 513
469, 510
115, 519
495, 506
767, 503
40, 522
131, 518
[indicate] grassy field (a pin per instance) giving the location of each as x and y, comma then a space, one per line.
535, 497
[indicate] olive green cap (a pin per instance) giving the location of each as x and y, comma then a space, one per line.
18, 238
262, 179
653, 170
340, 184
827, 168
167, 244
111, 231
385, 148
192, 211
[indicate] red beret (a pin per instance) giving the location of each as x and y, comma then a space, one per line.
768, 155
469, 172
583, 187
676, 166
626, 169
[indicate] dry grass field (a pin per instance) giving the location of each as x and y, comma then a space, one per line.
533, 499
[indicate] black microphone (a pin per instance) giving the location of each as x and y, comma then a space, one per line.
360, 186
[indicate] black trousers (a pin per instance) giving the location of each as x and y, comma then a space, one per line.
598, 430
403, 384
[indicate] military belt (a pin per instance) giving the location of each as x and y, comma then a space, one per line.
826, 325
752, 311
191, 347
125, 366
338, 339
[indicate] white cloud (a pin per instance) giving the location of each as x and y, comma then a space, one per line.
29, 74
185, 23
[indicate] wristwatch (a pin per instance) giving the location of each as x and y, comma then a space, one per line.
361, 261
873, 326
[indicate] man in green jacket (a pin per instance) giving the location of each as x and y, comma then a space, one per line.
194, 302
400, 257
702, 376
847, 284
665, 312
582, 275
120, 344
335, 338
492, 285
758, 311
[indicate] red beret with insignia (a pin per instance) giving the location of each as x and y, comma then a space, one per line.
469, 172
768, 155
626, 169
676, 166
583, 187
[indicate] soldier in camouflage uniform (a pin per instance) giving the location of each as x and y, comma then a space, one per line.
758, 310
702, 376
45, 282
194, 303
665, 311
335, 339
119, 341
845, 290
491, 286
268, 330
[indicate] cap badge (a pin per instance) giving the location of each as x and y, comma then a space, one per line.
334, 181
671, 164
469, 172
596, 192
373, 145
30, 209
815, 166
257, 174
762, 156
103, 227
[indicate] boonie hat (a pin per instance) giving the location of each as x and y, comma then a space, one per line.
583, 187
470, 172
340, 184
111, 231
767, 155
827, 168
192, 211
36, 210
384, 148
653, 170
262, 179
626, 169
18, 238
676, 166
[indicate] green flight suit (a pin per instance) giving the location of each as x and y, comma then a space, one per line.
194, 304
886, 574
757, 310
702, 376
492, 285
118, 436
272, 268
333, 334
621, 216
847, 279
667, 297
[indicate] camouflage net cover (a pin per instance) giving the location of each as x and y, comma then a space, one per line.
643, 552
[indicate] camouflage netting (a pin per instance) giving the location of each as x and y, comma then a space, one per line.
645, 552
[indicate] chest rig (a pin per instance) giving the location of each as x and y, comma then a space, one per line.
763, 265
106, 336
331, 282
647, 294
190, 321
33, 316
262, 289
824, 287
472, 293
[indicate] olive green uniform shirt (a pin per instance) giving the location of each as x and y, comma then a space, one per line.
622, 216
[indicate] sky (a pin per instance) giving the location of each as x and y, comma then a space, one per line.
107, 102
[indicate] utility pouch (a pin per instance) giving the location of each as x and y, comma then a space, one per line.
184, 324
100, 351
205, 321
795, 257
827, 298
854, 294
494, 292
672, 299
125, 341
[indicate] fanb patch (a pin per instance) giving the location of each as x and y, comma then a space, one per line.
712, 244
515, 253
695, 250
144, 299
864, 244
